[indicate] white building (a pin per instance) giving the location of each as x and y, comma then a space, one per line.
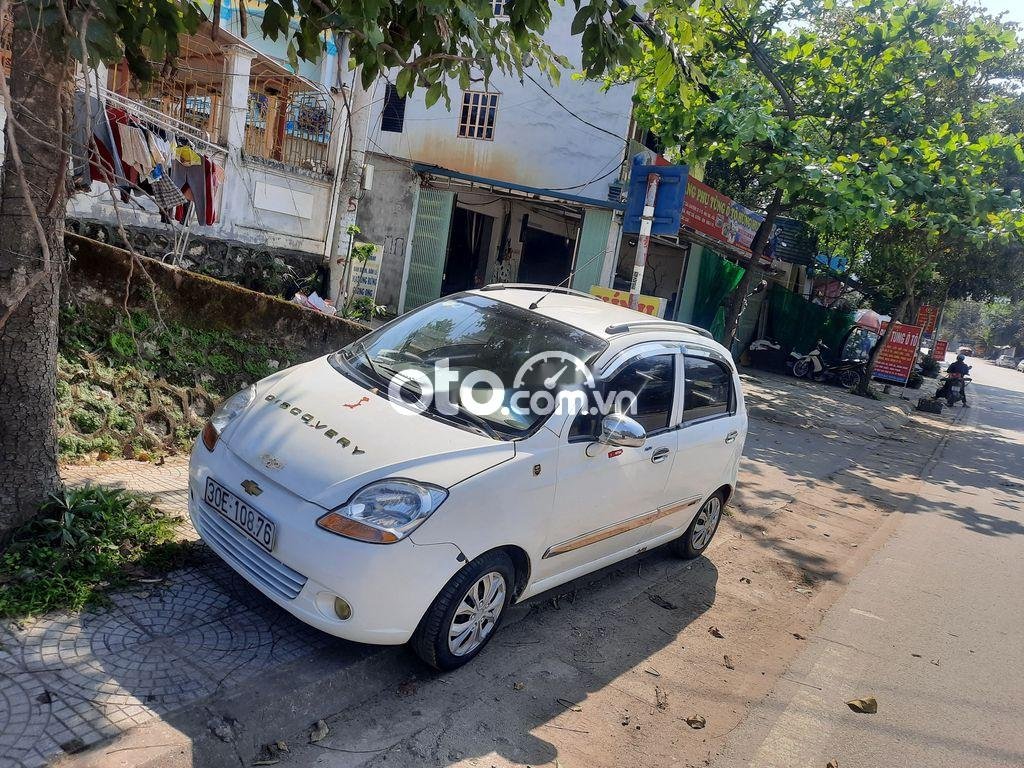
519, 182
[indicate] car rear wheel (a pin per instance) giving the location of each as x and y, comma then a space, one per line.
465, 615
702, 529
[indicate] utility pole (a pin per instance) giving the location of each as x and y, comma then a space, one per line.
644, 241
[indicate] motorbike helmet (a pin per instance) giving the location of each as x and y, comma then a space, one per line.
959, 358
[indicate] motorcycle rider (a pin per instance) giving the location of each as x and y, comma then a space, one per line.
960, 368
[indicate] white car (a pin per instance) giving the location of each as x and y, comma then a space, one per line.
1006, 361
470, 454
1020, 366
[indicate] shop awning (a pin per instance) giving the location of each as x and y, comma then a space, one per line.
518, 190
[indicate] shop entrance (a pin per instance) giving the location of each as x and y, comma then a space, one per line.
546, 258
470, 243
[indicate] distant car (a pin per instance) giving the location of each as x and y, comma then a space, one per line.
969, 351
1020, 366
1006, 361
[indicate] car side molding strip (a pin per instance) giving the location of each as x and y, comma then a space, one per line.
618, 528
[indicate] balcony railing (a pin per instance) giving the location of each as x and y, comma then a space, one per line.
291, 130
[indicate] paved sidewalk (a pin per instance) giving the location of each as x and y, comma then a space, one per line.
204, 643
813, 405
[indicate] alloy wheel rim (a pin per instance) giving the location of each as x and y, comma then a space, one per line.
477, 614
706, 523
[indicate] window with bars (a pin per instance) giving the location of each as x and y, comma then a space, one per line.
479, 110
393, 117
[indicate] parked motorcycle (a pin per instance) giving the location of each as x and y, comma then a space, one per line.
953, 387
813, 366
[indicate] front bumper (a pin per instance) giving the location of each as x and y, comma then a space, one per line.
389, 586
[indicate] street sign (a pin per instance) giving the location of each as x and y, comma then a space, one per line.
927, 317
896, 360
668, 205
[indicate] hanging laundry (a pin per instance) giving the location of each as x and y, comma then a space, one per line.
94, 152
135, 149
166, 195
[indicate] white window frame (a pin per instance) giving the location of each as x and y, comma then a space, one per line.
499, 9
482, 101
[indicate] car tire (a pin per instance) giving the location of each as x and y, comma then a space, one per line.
702, 528
436, 641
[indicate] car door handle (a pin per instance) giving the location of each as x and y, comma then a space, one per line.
659, 455
731, 437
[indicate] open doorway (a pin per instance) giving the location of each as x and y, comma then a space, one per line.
546, 258
470, 243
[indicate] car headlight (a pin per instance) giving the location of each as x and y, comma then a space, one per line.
384, 512
225, 413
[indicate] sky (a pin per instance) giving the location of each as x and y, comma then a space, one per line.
1014, 8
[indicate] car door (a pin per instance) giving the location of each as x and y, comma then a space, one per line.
708, 432
603, 492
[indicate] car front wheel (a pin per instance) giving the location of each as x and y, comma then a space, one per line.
702, 529
466, 614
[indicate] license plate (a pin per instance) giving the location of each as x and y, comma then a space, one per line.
242, 515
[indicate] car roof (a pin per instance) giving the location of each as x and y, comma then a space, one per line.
589, 313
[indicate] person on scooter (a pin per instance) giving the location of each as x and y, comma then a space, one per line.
958, 368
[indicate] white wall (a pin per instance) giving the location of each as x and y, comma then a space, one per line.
536, 142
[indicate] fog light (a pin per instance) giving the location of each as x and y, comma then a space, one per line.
342, 609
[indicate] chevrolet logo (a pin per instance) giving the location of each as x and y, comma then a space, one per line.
251, 487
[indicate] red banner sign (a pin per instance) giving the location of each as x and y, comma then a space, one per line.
927, 317
939, 352
711, 213
896, 360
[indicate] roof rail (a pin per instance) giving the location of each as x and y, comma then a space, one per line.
536, 287
643, 325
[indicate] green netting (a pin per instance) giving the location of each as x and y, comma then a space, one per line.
798, 323
716, 280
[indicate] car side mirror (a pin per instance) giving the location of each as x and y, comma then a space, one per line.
619, 430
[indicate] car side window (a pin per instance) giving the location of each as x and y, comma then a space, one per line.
708, 389
650, 381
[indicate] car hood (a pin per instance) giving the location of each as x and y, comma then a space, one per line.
323, 436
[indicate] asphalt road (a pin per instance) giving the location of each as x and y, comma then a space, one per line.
931, 627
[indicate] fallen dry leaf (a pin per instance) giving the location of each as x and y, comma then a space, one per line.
744, 579
696, 722
654, 672
803, 591
727, 660
715, 632
916, 655
569, 705
518, 686
281, 745
832, 764
866, 706
798, 636
318, 732
266, 762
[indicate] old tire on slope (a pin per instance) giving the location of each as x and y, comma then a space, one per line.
702, 528
467, 613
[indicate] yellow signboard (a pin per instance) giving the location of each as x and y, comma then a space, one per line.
649, 305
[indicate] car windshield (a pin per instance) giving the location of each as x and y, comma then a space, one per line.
476, 362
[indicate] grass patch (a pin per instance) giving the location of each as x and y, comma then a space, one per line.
84, 542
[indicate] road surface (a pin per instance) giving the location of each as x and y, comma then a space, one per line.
931, 627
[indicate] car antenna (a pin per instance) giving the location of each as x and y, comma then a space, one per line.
568, 278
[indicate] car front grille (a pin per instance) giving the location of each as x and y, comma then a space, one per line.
246, 557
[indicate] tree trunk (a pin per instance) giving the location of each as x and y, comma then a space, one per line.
738, 299
897, 316
37, 123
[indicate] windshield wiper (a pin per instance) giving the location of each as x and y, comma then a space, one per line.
381, 371
478, 421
